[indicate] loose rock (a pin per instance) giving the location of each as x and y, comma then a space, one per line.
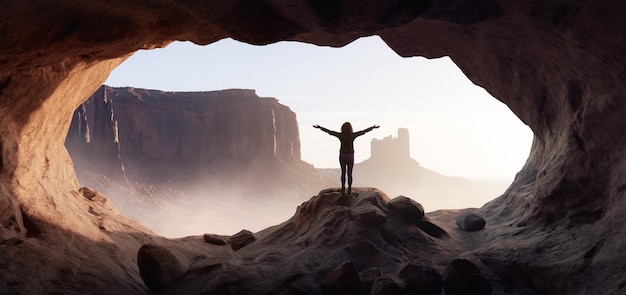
241, 239
407, 207
470, 222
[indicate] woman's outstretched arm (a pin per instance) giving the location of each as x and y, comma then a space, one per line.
326, 130
366, 130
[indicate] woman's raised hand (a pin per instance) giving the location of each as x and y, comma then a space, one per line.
316, 126
375, 126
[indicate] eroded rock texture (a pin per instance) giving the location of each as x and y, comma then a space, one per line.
558, 65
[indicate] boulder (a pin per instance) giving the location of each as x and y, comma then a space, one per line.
470, 222
241, 239
407, 207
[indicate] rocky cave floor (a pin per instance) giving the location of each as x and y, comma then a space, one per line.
364, 243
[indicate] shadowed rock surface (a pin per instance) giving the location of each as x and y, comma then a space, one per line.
558, 65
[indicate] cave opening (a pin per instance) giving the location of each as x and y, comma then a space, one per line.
456, 128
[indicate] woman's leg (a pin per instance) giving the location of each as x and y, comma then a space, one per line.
350, 165
343, 165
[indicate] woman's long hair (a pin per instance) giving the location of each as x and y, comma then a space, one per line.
346, 128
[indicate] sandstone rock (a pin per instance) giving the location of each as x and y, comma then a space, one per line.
344, 279
241, 239
470, 222
216, 239
462, 277
158, 267
407, 207
369, 214
421, 279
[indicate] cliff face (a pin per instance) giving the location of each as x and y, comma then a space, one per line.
187, 127
174, 152
558, 65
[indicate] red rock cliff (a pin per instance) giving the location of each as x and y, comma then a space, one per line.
187, 127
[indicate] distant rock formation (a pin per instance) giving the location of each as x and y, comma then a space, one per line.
391, 168
394, 149
187, 127
151, 146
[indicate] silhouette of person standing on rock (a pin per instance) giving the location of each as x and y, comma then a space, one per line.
346, 152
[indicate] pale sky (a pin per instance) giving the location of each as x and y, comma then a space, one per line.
456, 127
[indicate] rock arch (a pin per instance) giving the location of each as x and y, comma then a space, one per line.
558, 65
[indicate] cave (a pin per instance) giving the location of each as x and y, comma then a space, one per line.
558, 65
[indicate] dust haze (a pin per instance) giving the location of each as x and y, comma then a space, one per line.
177, 202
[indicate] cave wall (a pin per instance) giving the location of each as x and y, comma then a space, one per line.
558, 65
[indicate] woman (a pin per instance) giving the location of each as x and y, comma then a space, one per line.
346, 152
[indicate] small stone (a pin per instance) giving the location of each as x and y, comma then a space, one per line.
407, 207
241, 239
369, 214
470, 222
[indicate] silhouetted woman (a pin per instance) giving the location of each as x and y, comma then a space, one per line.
346, 152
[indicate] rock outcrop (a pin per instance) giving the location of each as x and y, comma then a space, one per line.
558, 65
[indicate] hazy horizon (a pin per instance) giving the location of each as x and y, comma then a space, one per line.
456, 128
